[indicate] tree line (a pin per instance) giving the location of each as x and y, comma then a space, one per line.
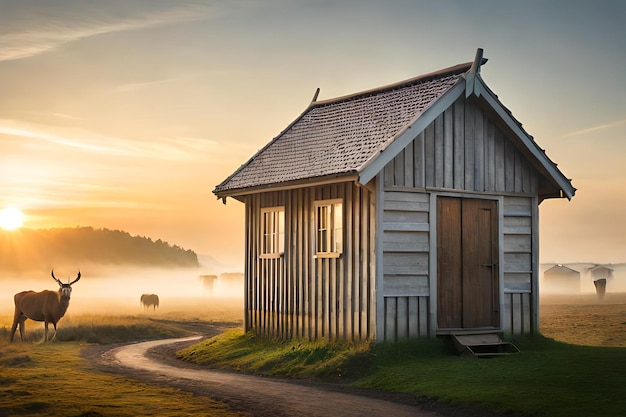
28, 249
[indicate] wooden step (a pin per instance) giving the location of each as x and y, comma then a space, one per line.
482, 345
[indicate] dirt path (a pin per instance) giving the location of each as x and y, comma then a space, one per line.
258, 396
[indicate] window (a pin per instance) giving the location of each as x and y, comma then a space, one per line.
329, 228
272, 231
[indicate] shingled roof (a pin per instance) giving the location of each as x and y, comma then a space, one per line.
354, 135
338, 136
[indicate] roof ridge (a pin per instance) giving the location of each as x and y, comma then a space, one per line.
456, 69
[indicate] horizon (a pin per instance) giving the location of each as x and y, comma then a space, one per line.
208, 255
126, 116
210, 266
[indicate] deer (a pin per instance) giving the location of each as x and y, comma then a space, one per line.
47, 306
148, 300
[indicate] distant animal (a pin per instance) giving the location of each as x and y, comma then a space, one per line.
148, 300
208, 282
47, 306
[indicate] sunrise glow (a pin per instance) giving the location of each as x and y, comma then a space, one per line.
204, 85
11, 218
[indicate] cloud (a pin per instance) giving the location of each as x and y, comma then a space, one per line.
32, 28
65, 116
596, 128
28, 133
173, 148
131, 87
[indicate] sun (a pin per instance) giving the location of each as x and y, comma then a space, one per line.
11, 218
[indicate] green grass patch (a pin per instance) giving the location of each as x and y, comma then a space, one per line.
547, 378
250, 353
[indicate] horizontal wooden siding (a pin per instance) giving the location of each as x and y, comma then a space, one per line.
519, 269
406, 247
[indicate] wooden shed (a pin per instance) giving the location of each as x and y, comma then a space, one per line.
402, 211
561, 279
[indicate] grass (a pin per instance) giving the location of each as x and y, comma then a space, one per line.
100, 329
249, 353
51, 379
548, 378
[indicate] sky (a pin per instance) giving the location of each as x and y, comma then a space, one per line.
126, 114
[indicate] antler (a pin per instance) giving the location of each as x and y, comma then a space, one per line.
77, 278
55, 278
60, 283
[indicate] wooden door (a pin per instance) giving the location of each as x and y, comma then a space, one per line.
467, 263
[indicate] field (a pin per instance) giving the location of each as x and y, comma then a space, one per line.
54, 380
584, 320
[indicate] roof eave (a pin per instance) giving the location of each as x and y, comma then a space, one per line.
287, 185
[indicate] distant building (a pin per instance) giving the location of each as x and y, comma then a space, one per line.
561, 279
597, 272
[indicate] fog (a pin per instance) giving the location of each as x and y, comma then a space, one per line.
583, 284
117, 290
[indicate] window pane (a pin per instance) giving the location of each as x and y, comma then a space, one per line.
329, 228
322, 229
272, 231
264, 241
337, 228
281, 231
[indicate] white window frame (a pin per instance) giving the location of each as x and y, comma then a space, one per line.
272, 232
328, 228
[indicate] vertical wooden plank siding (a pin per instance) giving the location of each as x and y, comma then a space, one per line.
469, 146
300, 295
375, 257
534, 281
249, 287
479, 149
490, 158
439, 139
418, 166
429, 156
463, 150
459, 145
448, 148
409, 174
367, 283
349, 272
356, 264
